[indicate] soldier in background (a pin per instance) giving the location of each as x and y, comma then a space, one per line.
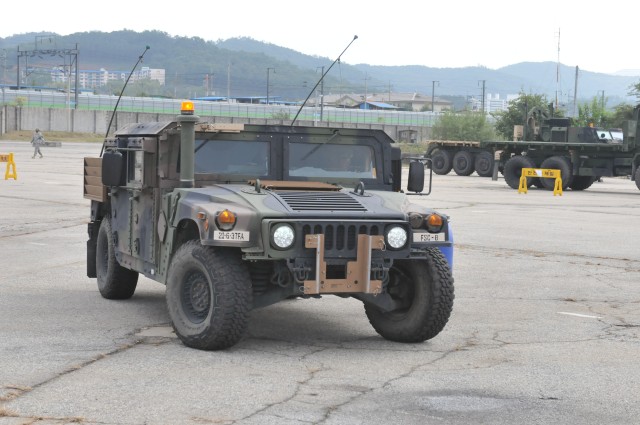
37, 140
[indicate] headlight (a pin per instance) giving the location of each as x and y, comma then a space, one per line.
282, 236
396, 237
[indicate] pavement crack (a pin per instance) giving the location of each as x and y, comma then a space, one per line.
58, 225
20, 391
501, 252
312, 371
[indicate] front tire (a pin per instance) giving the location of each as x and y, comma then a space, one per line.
208, 296
513, 170
425, 291
114, 281
582, 182
637, 177
557, 163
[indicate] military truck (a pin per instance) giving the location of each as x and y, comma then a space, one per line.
236, 217
582, 154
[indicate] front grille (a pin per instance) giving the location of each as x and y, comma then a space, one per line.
321, 201
341, 239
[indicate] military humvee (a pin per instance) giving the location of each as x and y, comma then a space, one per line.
236, 217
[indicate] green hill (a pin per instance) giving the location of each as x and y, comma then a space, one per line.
238, 67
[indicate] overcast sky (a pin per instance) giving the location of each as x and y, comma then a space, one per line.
439, 34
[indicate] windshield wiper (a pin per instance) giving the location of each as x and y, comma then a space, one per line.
315, 148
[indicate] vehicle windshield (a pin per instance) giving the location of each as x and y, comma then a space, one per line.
331, 160
232, 157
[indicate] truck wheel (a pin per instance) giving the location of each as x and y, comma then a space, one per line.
441, 161
114, 281
484, 164
582, 182
208, 296
557, 163
513, 170
463, 163
425, 291
637, 177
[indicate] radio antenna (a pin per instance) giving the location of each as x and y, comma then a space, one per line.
355, 37
120, 97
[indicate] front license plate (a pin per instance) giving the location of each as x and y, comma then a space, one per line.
230, 236
429, 237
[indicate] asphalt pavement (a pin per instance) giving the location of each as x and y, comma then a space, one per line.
544, 330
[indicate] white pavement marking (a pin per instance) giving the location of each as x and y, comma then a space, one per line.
579, 315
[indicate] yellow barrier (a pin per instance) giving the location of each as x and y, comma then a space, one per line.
11, 165
543, 173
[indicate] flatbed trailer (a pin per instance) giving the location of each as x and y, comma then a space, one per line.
580, 156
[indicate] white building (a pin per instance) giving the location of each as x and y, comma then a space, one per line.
89, 79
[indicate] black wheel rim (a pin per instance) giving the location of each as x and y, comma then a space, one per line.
483, 165
401, 289
196, 297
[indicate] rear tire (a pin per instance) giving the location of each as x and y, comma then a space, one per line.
513, 170
114, 281
441, 161
582, 182
484, 164
208, 296
463, 163
637, 177
425, 289
557, 163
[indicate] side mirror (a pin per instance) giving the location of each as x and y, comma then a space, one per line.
112, 169
416, 177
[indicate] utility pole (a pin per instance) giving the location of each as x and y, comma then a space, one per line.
575, 94
39, 52
366, 106
483, 92
228, 81
321, 93
4, 64
433, 94
558, 72
4, 70
269, 70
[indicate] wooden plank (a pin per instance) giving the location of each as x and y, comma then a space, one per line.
93, 180
93, 171
93, 161
96, 193
93, 188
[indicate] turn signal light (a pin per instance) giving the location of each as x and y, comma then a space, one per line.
434, 223
226, 220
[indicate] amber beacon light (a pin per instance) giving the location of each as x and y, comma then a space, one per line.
187, 108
